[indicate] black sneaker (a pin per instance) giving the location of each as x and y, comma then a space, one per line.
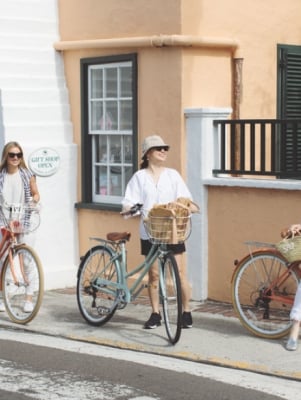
186, 320
153, 322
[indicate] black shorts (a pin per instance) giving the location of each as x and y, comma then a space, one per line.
175, 248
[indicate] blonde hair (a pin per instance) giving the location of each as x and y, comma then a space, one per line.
5, 152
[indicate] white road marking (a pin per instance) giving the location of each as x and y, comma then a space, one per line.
43, 385
287, 389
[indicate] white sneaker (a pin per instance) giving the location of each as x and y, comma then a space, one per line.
2, 306
291, 344
28, 307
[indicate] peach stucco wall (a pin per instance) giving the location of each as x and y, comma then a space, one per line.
157, 113
237, 215
173, 78
206, 77
91, 19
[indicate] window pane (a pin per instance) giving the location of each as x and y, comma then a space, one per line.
116, 181
125, 82
126, 115
106, 121
111, 115
127, 150
101, 184
115, 149
96, 83
96, 115
111, 83
101, 150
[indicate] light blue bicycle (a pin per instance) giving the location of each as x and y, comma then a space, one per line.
103, 279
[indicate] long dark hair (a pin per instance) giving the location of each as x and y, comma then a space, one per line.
144, 162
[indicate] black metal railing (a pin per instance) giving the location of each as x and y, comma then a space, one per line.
259, 147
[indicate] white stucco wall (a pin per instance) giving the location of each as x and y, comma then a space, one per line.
200, 147
34, 111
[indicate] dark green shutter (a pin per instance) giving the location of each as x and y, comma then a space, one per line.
289, 108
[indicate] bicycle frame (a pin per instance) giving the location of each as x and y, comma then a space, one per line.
7, 243
278, 282
119, 256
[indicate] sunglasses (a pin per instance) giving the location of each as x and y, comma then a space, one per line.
13, 155
160, 148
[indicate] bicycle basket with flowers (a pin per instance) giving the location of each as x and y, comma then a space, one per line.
290, 245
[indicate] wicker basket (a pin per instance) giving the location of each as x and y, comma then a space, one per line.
20, 218
168, 223
290, 248
170, 230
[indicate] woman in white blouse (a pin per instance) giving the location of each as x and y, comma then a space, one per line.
156, 184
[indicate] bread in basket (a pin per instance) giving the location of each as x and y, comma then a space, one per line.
168, 223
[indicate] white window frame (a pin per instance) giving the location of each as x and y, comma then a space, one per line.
108, 135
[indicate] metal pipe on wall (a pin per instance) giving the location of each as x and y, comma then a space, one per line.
148, 41
237, 97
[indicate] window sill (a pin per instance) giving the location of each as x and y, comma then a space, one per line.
98, 206
283, 184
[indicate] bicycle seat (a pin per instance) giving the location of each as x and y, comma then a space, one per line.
115, 236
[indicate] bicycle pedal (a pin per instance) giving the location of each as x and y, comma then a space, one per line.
121, 305
103, 310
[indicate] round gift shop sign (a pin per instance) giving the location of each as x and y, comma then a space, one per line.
44, 162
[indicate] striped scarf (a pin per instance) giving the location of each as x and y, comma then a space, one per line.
25, 174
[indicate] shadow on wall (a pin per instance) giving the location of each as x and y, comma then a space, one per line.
1, 124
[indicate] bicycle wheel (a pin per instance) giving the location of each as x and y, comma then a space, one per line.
22, 280
263, 291
171, 298
97, 299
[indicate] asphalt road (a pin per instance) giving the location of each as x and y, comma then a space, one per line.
41, 367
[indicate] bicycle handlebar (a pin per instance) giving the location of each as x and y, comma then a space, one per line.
133, 211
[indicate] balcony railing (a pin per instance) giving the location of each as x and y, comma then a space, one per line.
259, 147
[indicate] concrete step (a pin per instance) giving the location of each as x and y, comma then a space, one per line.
32, 69
27, 41
34, 102
20, 26
34, 9
9, 81
38, 113
48, 133
27, 54
36, 96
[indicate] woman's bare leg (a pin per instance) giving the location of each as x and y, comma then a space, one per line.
185, 285
153, 287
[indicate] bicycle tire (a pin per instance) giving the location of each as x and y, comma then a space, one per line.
97, 303
260, 314
27, 278
171, 297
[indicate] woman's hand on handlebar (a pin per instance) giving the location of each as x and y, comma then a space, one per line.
132, 211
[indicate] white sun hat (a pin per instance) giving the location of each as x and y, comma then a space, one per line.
153, 141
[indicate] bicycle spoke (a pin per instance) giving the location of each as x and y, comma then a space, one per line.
22, 280
97, 294
263, 291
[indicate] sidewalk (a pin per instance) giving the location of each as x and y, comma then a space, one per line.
217, 337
